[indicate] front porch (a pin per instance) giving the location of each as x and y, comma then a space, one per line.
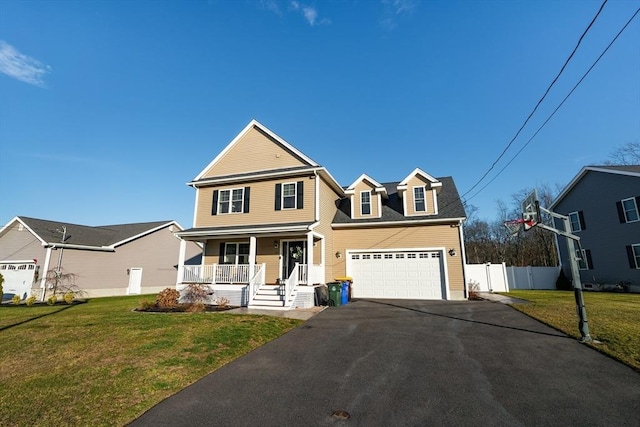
246, 284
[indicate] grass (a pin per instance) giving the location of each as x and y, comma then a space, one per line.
100, 363
613, 319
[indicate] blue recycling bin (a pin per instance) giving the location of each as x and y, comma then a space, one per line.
344, 298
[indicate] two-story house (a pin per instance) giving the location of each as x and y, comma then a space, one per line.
273, 221
602, 203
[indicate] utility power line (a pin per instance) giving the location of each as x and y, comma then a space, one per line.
539, 102
558, 107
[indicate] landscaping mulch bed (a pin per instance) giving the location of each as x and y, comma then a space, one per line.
184, 308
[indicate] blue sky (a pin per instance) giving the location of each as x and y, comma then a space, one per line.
107, 108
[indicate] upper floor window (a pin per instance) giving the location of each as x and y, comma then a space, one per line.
418, 199
289, 195
365, 202
628, 210
577, 221
230, 201
233, 200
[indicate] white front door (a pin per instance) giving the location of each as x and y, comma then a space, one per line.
135, 281
404, 274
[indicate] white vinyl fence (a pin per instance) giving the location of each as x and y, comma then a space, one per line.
500, 278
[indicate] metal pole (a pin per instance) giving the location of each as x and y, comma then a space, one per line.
583, 325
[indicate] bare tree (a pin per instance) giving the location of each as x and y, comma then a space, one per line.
626, 154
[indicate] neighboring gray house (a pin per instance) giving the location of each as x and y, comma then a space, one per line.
603, 205
107, 260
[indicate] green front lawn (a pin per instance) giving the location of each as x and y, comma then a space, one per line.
614, 319
100, 363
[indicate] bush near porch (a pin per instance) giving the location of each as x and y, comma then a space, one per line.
614, 319
101, 363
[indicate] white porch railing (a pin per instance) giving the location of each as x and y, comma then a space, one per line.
219, 273
255, 282
303, 273
290, 284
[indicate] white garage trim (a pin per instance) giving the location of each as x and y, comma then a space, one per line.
444, 277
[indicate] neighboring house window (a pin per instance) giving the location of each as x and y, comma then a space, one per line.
584, 259
289, 195
365, 202
418, 199
577, 221
236, 253
633, 252
234, 200
628, 209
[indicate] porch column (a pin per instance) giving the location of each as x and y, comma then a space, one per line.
181, 255
252, 255
309, 250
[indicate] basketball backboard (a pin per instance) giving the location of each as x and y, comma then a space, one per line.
531, 210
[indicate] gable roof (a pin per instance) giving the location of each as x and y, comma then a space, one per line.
628, 170
378, 188
106, 237
419, 172
450, 207
255, 124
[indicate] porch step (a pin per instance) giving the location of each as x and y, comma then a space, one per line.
257, 302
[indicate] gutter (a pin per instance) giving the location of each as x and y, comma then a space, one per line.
453, 221
81, 247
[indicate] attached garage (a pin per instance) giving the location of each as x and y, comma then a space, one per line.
397, 274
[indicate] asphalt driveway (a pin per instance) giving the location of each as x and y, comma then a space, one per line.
412, 363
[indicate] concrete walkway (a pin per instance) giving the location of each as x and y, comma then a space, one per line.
504, 299
412, 363
296, 313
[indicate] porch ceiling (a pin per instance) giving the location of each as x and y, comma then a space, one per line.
263, 230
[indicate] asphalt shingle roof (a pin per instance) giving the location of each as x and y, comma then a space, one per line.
106, 235
449, 206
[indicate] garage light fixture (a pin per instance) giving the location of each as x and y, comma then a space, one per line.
452, 252
338, 254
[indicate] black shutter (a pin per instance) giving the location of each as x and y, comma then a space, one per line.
620, 213
221, 258
300, 194
245, 208
632, 257
583, 226
278, 196
589, 260
214, 205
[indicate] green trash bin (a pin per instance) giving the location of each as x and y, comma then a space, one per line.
335, 293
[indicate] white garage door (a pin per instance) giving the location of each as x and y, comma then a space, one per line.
411, 274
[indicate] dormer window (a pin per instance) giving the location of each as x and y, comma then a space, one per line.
419, 200
365, 202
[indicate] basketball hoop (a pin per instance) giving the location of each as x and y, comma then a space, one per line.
516, 225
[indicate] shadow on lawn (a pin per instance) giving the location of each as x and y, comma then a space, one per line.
63, 308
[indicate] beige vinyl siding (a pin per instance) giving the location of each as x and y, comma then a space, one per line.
327, 210
105, 273
261, 207
403, 237
416, 181
253, 152
357, 201
265, 253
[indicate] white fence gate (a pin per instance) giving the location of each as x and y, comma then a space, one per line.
500, 278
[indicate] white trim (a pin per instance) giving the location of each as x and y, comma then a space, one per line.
464, 258
435, 202
316, 212
81, 247
24, 224
624, 211
254, 123
633, 253
18, 261
581, 174
398, 223
424, 200
417, 171
370, 204
440, 249
246, 231
144, 233
230, 201
376, 187
571, 223
379, 214
195, 207
43, 275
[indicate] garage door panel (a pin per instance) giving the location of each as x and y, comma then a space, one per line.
415, 274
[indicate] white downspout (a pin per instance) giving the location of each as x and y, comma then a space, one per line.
43, 280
